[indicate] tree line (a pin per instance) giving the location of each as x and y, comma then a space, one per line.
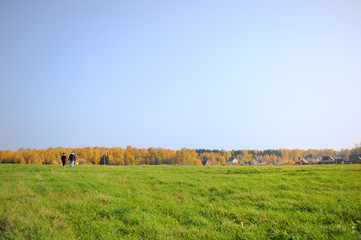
157, 156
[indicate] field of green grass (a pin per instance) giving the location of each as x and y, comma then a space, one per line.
180, 202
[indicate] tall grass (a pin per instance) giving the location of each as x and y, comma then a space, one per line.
180, 202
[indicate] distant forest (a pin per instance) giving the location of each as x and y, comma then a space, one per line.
157, 156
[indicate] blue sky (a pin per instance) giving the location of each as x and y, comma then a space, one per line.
172, 74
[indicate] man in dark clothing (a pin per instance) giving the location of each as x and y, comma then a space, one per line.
63, 159
72, 159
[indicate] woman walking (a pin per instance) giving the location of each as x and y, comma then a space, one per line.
63, 159
72, 159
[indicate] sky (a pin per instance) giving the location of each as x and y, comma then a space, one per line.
173, 74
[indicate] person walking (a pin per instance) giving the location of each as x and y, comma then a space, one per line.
72, 159
63, 159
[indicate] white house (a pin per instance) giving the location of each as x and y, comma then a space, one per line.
234, 160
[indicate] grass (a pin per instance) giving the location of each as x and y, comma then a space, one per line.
180, 202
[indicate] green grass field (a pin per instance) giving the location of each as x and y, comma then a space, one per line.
180, 202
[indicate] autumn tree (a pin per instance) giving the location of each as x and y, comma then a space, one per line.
35, 158
356, 149
128, 156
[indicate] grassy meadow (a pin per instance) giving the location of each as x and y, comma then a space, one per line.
180, 202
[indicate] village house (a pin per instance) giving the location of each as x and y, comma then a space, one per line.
260, 161
355, 159
327, 160
311, 160
301, 161
340, 159
305, 161
233, 161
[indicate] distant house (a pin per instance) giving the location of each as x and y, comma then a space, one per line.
206, 162
356, 158
340, 159
311, 160
327, 160
232, 161
301, 161
260, 161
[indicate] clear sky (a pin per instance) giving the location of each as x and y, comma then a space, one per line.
172, 74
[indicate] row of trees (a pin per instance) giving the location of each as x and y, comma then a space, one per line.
156, 156
97, 155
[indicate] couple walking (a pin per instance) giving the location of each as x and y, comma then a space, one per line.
71, 158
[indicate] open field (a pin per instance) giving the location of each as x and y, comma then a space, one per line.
180, 202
